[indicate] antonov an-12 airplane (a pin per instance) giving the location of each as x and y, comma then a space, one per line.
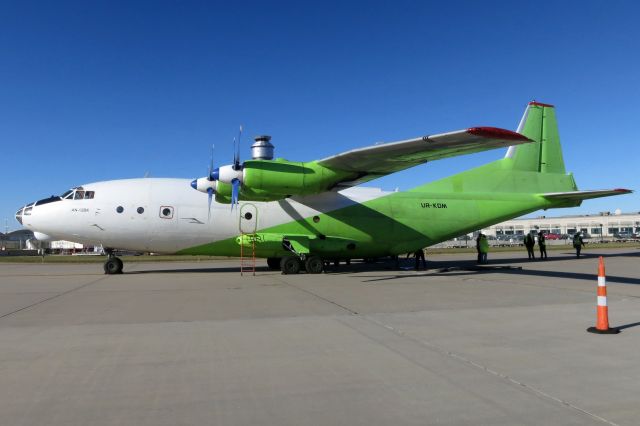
300, 214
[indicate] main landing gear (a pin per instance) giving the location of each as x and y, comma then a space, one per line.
112, 265
293, 264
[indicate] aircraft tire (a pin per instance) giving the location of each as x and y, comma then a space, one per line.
290, 265
113, 266
314, 265
274, 263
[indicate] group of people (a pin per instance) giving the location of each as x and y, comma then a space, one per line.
529, 243
482, 247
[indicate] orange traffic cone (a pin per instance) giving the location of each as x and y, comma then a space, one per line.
602, 323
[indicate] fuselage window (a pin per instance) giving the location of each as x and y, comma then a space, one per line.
120, 209
248, 215
79, 195
166, 212
140, 210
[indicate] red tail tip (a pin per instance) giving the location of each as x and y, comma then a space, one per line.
541, 104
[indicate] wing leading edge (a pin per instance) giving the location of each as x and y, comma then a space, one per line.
386, 158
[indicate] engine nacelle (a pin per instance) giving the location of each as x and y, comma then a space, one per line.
276, 179
227, 173
270, 180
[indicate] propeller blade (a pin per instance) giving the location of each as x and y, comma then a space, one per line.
211, 163
236, 148
210, 195
235, 192
236, 160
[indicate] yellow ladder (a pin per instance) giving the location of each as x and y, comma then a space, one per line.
248, 254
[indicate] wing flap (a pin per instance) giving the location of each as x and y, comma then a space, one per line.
385, 158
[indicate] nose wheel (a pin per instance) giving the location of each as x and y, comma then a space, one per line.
113, 265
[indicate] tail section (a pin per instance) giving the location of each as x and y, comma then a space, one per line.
534, 169
545, 154
531, 177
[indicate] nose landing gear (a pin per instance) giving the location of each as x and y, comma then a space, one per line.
112, 265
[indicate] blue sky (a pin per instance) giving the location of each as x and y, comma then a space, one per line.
104, 90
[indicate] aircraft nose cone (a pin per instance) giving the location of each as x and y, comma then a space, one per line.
194, 184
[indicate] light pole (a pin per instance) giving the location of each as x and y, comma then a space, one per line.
601, 233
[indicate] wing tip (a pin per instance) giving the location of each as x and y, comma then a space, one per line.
496, 133
623, 190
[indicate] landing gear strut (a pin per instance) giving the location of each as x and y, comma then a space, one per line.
112, 265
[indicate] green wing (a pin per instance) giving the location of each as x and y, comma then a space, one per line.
365, 164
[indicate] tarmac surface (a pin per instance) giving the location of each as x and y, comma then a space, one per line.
197, 344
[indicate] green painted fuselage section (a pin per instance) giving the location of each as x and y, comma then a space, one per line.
402, 222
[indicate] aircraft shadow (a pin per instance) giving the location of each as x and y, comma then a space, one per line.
438, 267
195, 270
469, 268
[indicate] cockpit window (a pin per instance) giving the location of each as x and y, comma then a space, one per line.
47, 200
78, 194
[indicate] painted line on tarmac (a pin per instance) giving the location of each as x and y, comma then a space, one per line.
474, 364
64, 293
351, 311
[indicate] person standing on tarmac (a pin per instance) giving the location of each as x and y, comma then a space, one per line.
578, 243
483, 248
529, 243
543, 245
478, 248
420, 255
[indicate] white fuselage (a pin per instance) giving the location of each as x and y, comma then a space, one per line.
167, 215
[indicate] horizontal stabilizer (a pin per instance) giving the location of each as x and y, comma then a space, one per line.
584, 195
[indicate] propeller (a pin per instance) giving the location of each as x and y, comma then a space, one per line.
207, 184
230, 174
236, 182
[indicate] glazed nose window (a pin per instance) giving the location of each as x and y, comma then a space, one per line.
19, 216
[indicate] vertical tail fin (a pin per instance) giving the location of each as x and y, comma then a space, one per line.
545, 154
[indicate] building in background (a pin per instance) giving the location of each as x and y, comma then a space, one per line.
23, 242
602, 225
